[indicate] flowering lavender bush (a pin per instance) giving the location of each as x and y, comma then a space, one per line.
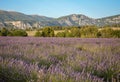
33, 59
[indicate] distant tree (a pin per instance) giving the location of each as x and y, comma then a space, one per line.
19, 32
10, 33
68, 33
89, 32
47, 32
38, 34
60, 34
4, 32
56, 27
75, 32
116, 33
106, 32
98, 34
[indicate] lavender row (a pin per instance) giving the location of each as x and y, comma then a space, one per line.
30, 59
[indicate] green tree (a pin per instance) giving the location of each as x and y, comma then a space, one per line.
19, 32
68, 33
89, 32
38, 34
60, 34
47, 32
106, 32
116, 33
4, 32
75, 32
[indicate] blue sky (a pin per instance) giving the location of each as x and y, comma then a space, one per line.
57, 8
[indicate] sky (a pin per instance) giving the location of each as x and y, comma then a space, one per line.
57, 8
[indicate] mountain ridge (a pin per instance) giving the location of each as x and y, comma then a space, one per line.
21, 20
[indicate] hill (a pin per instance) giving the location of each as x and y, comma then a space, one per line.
20, 20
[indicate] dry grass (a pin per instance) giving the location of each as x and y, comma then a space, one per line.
114, 28
56, 31
32, 33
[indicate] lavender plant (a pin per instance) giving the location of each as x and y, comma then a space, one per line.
33, 59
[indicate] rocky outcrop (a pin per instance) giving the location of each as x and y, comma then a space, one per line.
109, 20
22, 24
76, 20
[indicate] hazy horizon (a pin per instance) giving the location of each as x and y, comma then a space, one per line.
58, 8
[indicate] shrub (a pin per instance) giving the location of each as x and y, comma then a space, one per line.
17, 71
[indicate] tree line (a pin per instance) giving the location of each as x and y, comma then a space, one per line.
12, 32
80, 32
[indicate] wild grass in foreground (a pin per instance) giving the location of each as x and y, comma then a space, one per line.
30, 59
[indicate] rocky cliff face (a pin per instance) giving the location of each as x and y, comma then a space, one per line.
76, 20
20, 24
109, 20
22, 21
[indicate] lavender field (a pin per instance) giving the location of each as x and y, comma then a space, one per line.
33, 59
